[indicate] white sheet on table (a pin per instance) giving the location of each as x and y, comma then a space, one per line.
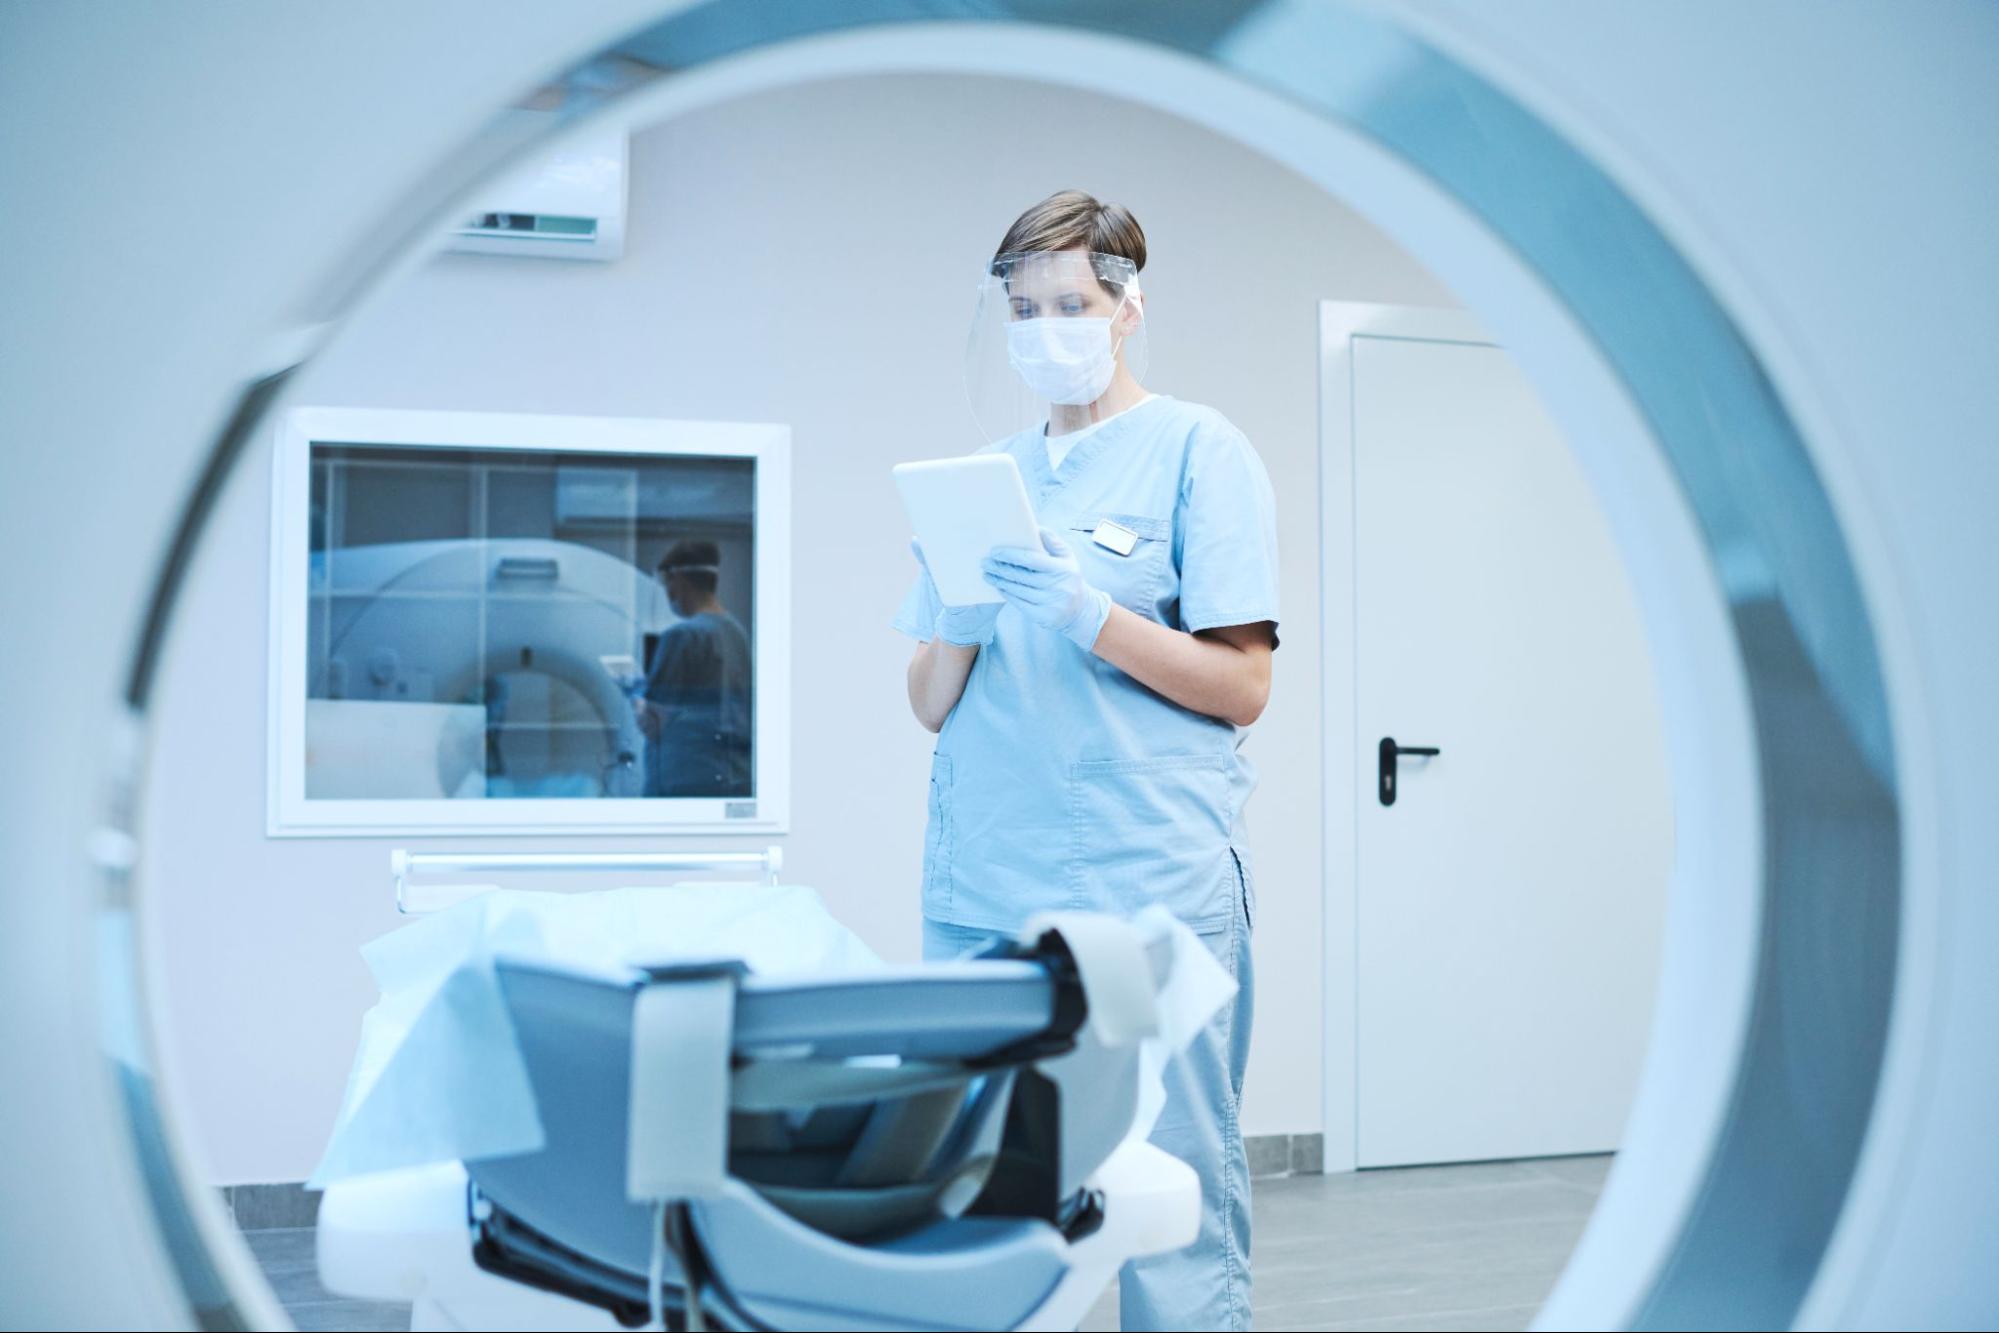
439, 1076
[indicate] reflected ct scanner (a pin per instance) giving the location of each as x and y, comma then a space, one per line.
1744, 253
568, 607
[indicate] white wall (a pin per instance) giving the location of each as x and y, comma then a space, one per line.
806, 257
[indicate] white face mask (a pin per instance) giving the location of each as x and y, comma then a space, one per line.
1063, 358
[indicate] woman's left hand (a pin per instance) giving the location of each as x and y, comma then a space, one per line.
1047, 586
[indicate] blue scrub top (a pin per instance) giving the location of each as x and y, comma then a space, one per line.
700, 678
1058, 780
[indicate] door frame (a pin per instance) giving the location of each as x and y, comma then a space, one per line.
1339, 823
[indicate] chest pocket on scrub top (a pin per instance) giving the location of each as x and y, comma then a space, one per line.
1133, 577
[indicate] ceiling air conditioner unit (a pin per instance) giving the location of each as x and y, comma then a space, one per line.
568, 204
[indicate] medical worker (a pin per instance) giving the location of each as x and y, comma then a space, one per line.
695, 706
1090, 726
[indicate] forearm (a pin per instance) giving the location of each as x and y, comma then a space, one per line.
1224, 674
937, 676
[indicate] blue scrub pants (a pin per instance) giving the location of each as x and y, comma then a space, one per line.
1206, 1285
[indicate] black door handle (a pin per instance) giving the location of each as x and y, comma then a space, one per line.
1390, 752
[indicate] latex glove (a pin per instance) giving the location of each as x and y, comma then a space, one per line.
966, 626
1048, 587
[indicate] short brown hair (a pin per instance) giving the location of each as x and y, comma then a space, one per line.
1068, 219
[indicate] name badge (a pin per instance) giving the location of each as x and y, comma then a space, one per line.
1114, 537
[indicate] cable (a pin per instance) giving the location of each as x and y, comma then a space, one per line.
678, 1231
705, 1283
656, 1270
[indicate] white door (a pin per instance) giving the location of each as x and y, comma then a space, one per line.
1509, 892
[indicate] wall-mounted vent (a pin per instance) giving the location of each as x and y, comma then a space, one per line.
567, 204
532, 227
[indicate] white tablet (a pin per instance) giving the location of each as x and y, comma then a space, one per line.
961, 508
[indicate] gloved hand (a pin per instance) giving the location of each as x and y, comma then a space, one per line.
1048, 587
966, 626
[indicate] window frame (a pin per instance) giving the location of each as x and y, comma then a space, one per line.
289, 813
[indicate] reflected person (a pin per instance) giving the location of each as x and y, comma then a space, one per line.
695, 705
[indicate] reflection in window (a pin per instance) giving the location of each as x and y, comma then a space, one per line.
504, 623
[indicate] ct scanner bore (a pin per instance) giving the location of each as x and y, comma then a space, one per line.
1830, 806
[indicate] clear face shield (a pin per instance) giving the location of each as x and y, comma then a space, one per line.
1058, 338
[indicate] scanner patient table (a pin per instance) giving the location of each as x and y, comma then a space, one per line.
950, 1145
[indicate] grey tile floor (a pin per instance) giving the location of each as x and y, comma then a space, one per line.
285, 1255
1435, 1247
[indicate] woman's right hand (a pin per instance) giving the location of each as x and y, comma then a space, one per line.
966, 626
